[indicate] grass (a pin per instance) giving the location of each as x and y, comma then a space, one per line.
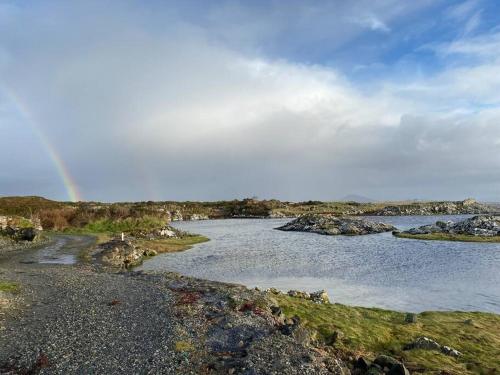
172, 245
125, 225
372, 331
449, 237
6, 286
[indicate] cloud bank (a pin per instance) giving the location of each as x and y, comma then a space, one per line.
157, 102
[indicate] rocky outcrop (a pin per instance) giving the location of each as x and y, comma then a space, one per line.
319, 297
383, 364
426, 343
467, 206
485, 226
18, 228
333, 225
197, 217
122, 254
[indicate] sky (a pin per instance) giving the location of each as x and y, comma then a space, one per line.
211, 100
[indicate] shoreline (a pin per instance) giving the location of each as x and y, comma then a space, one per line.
240, 302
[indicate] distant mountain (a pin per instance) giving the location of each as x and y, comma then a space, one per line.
356, 198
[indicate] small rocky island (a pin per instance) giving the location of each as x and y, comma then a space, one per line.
334, 225
484, 228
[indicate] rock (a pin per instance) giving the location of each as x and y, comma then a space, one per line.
411, 318
19, 228
298, 294
423, 343
119, 253
386, 361
450, 351
198, 217
176, 216
150, 253
398, 369
467, 206
362, 364
485, 226
167, 232
426, 343
374, 371
333, 225
319, 297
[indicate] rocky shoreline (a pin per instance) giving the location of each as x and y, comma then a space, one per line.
333, 225
89, 319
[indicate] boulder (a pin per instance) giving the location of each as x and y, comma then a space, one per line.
333, 225
320, 297
119, 253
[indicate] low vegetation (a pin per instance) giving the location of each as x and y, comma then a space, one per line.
6, 286
172, 245
357, 331
448, 237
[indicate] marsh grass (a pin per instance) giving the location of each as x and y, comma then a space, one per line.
449, 237
372, 331
172, 245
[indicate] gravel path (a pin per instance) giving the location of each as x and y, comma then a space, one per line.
80, 319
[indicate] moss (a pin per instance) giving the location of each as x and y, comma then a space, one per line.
371, 331
448, 237
6, 286
184, 346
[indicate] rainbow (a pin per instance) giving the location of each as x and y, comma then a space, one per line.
62, 170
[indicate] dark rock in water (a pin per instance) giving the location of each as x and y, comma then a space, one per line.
333, 225
485, 226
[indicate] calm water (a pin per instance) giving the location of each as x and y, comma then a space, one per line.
373, 270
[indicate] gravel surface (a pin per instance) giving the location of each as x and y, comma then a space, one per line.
83, 319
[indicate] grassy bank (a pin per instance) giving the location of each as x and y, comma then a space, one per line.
370, 331
448, 237
172, 245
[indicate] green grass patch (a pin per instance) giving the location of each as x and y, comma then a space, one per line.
172, 245
125, 225
448, 237
6, 286
372, 331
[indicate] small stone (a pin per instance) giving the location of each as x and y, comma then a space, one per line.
411, 318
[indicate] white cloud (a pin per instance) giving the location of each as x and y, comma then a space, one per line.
166, 107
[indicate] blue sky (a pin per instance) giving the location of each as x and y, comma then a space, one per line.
223, 99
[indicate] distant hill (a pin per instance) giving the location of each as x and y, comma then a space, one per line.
356, 198
25, 206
